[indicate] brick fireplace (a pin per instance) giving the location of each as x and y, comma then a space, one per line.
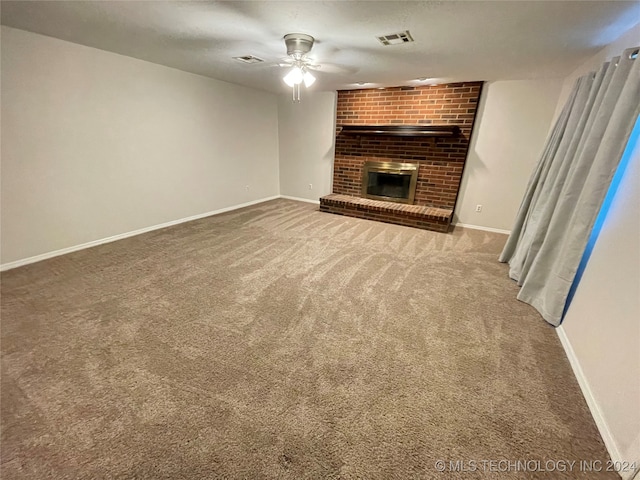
429, 126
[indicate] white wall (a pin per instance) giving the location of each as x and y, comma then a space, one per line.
602, 324
511, 128
307, 144
601, 330
631, 38
96, 144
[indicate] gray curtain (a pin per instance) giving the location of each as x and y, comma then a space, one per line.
567, 188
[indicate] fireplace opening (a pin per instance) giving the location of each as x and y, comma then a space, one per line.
390, 181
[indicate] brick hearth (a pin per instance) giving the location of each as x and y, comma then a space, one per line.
441, 160
428, 218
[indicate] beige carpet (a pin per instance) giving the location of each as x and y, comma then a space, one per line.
280, 342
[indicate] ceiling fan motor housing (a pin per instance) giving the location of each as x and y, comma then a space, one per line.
298, 44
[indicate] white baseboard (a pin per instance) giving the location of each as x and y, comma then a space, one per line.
601, 423
299, 199
478, 227
75, 248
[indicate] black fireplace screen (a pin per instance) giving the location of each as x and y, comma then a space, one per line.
389, 181
389, 185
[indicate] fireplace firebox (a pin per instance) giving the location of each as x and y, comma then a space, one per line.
390, 181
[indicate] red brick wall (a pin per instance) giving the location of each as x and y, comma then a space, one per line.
441, 160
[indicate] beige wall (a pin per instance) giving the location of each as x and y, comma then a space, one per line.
512, 124
307, 144
96, 144
602, 326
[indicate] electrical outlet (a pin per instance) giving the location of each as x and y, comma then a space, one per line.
478, 208
311, 186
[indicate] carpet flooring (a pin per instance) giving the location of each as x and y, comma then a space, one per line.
277, 341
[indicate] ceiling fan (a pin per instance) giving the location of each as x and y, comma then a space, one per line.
298, 46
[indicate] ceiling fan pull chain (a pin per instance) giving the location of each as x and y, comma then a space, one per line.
296, 93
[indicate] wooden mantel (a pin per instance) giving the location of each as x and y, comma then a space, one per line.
402, 130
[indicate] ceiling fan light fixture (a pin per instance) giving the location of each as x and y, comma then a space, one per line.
294, 77
298, 45
308, 79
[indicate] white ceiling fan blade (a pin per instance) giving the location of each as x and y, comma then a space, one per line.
333, 68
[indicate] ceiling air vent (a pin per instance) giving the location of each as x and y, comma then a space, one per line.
395, 38
248, 59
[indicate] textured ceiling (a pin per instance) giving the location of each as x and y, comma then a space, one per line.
454, 41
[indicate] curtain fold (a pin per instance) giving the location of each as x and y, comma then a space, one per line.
567, 188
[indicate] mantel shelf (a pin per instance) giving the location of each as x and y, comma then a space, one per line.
402, 130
